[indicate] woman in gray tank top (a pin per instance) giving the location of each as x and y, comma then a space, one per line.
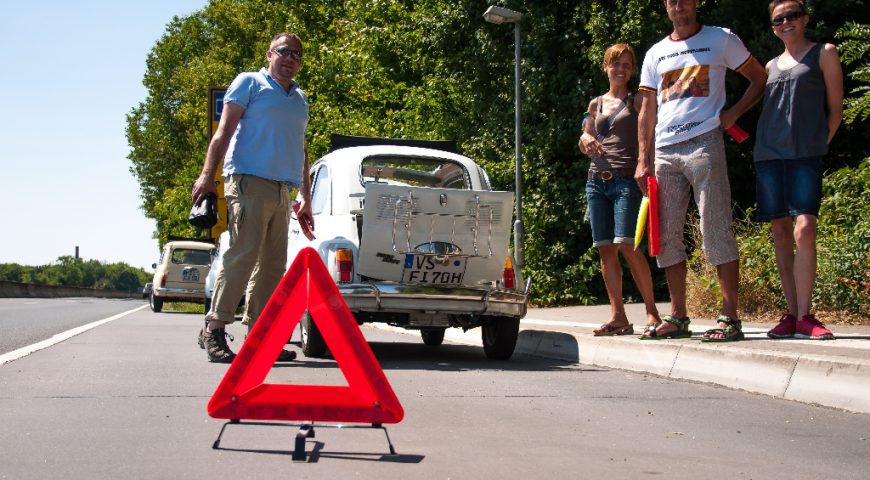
613, 196
802, 109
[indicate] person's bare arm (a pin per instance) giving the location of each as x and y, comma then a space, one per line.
755, 73
829, 61
588, 143
217, 149
305, 190
646, 124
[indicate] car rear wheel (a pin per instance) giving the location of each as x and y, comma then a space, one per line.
433, 336
312, 342
156, 303
499, 337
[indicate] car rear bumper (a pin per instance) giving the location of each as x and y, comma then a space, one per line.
397, 297
180, 293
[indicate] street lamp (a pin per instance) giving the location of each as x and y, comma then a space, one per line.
499, 15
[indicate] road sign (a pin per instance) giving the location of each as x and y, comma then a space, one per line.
367, 398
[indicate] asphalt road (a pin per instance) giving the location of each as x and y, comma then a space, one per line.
25, 321
127, 399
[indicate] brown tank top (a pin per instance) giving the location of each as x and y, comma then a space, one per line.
620, 140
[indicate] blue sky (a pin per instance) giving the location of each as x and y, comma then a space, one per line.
71, 71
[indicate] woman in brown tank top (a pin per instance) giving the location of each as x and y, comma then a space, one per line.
610, 139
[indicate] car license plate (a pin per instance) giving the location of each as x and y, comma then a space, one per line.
433, 269
190, 275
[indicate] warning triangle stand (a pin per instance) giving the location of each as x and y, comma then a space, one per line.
368, 396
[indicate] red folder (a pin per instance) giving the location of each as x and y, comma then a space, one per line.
653, 189
737, 133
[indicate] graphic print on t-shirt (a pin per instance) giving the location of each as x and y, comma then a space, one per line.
692, 81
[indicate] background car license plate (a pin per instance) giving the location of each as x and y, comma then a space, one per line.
191, 275
433, 270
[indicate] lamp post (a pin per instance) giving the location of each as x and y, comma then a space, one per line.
499, 15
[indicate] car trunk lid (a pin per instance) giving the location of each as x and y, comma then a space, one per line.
434, 236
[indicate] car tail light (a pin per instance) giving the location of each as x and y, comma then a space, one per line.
163, 281
344, 264
508, 273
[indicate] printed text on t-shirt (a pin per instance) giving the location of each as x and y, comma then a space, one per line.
684, 127
684, 52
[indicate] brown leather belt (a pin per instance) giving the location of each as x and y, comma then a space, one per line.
610, 174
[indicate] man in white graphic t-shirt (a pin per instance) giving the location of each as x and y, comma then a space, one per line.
682, 86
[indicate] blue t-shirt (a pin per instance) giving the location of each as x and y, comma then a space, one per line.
270, 139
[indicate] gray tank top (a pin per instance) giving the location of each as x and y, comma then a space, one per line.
620, 143
794, 122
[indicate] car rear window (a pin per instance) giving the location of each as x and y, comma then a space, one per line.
415, 172
187, 256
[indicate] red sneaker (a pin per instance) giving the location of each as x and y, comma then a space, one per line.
785, 328
810, 328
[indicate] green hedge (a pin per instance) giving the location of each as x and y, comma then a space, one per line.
842, 291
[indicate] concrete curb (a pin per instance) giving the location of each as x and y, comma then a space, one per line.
828, 381
836, 382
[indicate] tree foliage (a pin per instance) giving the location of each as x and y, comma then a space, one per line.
854, 49
434, 69
75, 272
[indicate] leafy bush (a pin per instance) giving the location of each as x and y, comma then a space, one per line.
842, 289
854, 47
843, 282
75, 272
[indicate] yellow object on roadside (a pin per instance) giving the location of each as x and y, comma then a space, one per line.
641, 221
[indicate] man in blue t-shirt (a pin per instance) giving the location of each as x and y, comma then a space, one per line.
261, 139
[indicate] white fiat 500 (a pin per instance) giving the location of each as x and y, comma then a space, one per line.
414, 237
180, 273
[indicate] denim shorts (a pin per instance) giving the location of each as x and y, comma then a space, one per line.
613, 207
788, 188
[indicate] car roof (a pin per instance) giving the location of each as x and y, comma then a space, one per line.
191, 245
357, 154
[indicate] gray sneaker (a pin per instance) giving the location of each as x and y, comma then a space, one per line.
216, 346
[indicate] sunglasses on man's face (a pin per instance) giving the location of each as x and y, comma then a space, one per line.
790, 16
285, 52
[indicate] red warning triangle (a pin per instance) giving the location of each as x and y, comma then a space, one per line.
367, 398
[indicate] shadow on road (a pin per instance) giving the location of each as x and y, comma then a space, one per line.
317, 451
448, 358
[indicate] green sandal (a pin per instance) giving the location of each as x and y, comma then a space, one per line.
731, 333
682, 330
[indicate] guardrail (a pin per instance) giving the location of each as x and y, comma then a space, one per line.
32, 290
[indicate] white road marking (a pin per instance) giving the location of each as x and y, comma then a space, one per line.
57, 338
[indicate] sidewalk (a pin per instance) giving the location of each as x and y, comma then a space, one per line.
834, 373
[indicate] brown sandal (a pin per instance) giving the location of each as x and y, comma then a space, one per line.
608, 330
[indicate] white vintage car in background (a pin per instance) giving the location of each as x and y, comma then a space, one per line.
179, 275
414, 237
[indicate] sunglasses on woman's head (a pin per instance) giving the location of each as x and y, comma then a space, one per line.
790, 16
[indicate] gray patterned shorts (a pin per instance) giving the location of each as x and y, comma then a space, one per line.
694, 167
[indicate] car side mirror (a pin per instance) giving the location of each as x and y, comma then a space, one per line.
153, 265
